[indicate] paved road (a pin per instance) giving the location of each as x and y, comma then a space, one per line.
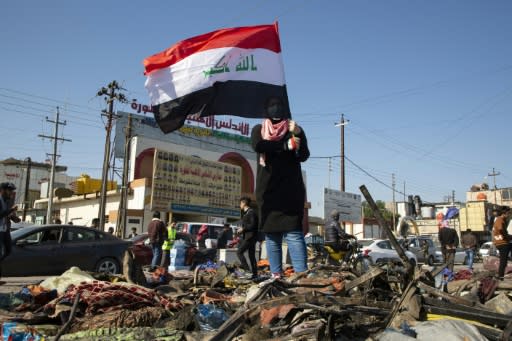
14, 284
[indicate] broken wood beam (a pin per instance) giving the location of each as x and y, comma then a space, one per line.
384, 225
484, 317
374, 272
448, 297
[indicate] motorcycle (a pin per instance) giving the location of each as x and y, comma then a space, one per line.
358, 262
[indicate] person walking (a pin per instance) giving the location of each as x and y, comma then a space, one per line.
167, 245
449, 241
156, 233
469, 243
280, 192
7, 213
249, 237
500, 239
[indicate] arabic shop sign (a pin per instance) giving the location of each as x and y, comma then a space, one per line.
195, 185
202, 132
242, 128
141, 107
209, 122
213, 123
245, 63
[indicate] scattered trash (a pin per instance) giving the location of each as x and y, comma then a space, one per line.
221, 302
209, 317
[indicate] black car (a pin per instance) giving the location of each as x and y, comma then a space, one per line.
52, 249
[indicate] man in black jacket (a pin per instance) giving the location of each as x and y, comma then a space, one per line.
248, 238
335, 235
449, 242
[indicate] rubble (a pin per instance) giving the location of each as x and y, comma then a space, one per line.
324, 303
218, 302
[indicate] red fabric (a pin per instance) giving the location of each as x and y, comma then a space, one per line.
202, 231
249, 37
100, 297
463, 274
272, 132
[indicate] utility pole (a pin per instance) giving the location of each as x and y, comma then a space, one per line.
55, 138
123, 202
330, 169
453, 197
28, 162
111, 95
494, 174
404, 191
342, 125
393, 184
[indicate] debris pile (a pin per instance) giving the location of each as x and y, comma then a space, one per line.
220, 302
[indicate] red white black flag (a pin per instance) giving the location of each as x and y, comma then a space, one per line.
226, 72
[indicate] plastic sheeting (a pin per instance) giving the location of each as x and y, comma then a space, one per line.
72, 276
435, 331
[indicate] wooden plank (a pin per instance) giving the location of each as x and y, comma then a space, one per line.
409, 292
448, 297
374, 272
482, 317
384, 225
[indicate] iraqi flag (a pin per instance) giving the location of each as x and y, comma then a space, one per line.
231, 71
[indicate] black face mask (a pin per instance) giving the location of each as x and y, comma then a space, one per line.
276, 119
275, 110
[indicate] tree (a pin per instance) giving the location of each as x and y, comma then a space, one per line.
386, 214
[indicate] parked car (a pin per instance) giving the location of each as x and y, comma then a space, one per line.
52, 249
142, 250
381, 251
460, 255
415, 244
487, 249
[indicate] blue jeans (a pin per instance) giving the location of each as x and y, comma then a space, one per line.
296, 247
157, 254
470, 256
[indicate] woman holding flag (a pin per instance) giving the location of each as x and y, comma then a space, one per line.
280, 192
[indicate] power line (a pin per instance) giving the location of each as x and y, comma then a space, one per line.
42, 116
45, 105
47, 98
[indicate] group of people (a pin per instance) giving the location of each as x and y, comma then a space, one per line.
501, 240
161, 238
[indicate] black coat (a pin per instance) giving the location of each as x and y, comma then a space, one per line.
249, 224
334, 233
222, 239
448, 236
280, 190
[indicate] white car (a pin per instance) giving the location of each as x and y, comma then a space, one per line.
487, 249
381, 251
